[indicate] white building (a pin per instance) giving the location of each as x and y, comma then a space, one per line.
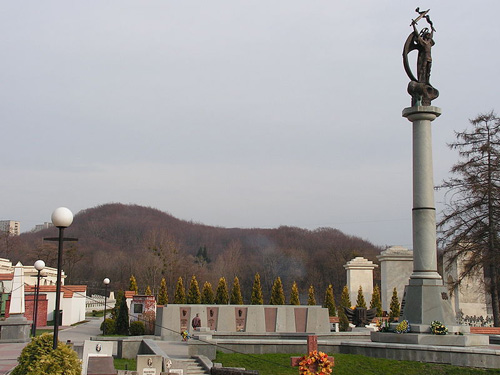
10, 226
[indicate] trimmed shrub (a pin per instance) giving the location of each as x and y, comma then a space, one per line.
207, 295
294, 295
236, 297
277, 294
360, 301
376, 303
110, 326
311, 301
180, 292
257, 298
137, 328
194, 295
38, 358
221, 295
163, 294
330, 301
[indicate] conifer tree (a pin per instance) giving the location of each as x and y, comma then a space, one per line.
221, 295
294, 295
311, 301
394, 309
163, 294
133, 284
180, 292
257, 298
122, 320
119, 296
360, 301
277, 294
194, 295
236, 297
207, 294
376, 303
329, 302
345, 302
148, 292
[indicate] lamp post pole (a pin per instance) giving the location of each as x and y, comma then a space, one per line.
39, 266
106, 282
61, 218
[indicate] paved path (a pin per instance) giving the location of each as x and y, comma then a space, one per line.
9, 352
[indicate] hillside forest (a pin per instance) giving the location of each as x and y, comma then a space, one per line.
117, 241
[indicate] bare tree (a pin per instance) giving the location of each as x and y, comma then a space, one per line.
469, 227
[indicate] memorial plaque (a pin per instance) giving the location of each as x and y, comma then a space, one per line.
241, 318
212, 316
300, 319
270, 314
101, 366
148, 364
185, 318
95, 349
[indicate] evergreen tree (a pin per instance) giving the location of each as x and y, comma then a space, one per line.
236, 297
118, 299
311, 301
194, 295
294, 295
360, 301
376, 303
221, 295
180, 292
148, 292
133, 284
329, 302
277, 294
345, 302
163, 294
122, 319
394, 312
207, 294
257, 298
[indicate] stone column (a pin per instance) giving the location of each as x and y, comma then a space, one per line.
360, 273
396, 265
426, 299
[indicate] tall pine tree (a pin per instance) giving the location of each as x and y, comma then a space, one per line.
360, 301
394, 309
345, 302
311, 301
294, 295
376, 303
221, 295
194, 295
329, 302
257, 298
207, 294
277, 294
180, 292
163, 294
236, 297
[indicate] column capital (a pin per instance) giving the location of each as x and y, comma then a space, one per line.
416, 113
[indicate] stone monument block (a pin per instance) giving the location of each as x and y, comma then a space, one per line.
149, 364
95, 349
360, 274
396, 266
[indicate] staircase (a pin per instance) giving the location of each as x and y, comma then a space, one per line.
195, 368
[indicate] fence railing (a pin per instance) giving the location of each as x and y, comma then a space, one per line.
96, 303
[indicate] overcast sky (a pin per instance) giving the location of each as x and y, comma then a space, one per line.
232, 113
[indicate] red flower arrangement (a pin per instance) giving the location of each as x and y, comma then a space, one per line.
316, 359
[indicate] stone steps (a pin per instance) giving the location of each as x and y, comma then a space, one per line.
195, 368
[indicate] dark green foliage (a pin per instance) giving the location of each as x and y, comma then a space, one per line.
148, 292
360, 301
236, 297
207, 294
277, 294
122, 321
194, 295
376, 301
110, 326
294, 295
137, 328
345, 301
180, 292
257, 298
119, 296
38, 358
163, 294
221, 295
202, 256
394, 308
329, 301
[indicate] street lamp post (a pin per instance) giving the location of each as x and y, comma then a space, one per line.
39, 266
61, 218
106, 283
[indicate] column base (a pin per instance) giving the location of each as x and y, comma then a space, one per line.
425, 302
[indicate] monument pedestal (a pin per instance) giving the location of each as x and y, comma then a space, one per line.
429, 339
16, 328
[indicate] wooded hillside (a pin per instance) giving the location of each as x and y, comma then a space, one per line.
117, 240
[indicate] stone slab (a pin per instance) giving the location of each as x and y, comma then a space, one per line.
148, 364
429, 339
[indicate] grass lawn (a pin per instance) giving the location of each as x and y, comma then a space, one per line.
345, 364
125, 364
